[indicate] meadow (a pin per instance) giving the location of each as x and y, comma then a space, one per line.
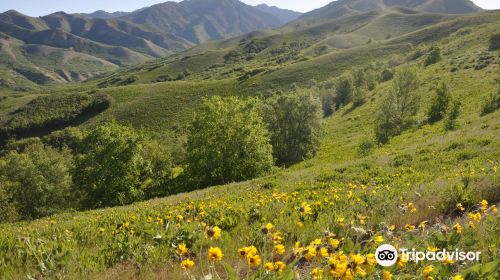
429, 188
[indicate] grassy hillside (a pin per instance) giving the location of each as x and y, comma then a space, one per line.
427, 188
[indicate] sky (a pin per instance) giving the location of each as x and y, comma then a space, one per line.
44, 7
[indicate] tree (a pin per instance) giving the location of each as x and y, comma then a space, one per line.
495, 42
37, 181
344, 90
228, 142
439, 104
294, 123
110, 169
398, 108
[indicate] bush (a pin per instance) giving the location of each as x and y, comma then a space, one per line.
439, 104
37, 179
294, 121
433, 56
386, 75
328, 104
227, 142
109, 168
365, 148
492, 103
495, 42
344, 89
398, 108
452, 115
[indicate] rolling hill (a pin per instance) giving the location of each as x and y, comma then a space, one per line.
124, 39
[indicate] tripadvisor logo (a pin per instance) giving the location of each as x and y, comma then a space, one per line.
387, 255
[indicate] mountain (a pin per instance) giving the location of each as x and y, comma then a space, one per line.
349, 7
122, 39
283, 15
199, 21
103, 14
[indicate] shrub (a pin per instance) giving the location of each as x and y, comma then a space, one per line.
452, 115
386, 75
492, 102
433, 56
294, 121
328, 104
366, 147
37, 179
344, 89
398, 108
109, 168
495, 42
439, 104
227, 142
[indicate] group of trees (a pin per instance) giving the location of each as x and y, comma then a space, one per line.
230, 139
233, 139
398, 109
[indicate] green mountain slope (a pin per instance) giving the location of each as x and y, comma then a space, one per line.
126, 39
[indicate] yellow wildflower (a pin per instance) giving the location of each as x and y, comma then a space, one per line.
181, 249
269, 266
378, 239
215, 254
187, 264
279, 266
387, 275
317, 273
279, 249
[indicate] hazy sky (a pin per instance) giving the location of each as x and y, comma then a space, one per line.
44, 7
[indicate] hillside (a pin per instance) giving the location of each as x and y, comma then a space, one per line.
431, 187
283, 15
124, 39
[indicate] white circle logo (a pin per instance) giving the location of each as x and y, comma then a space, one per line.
386, 255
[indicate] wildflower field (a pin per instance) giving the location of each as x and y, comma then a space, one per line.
326, 229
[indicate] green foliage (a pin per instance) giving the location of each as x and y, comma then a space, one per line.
398, 108
49, 112
386, 75
110, 169
344, 90
366, 147
294, 121
159, 166
439, 104
494, 42
37, 179
452, 115
227, 142
433, 56
492, 102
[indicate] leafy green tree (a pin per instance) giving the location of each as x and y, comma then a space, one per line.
439, 104
8, 211
294, 121
159, 167
228, 142
398, 108
110, 169
495, 42
344, 89
37, 180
